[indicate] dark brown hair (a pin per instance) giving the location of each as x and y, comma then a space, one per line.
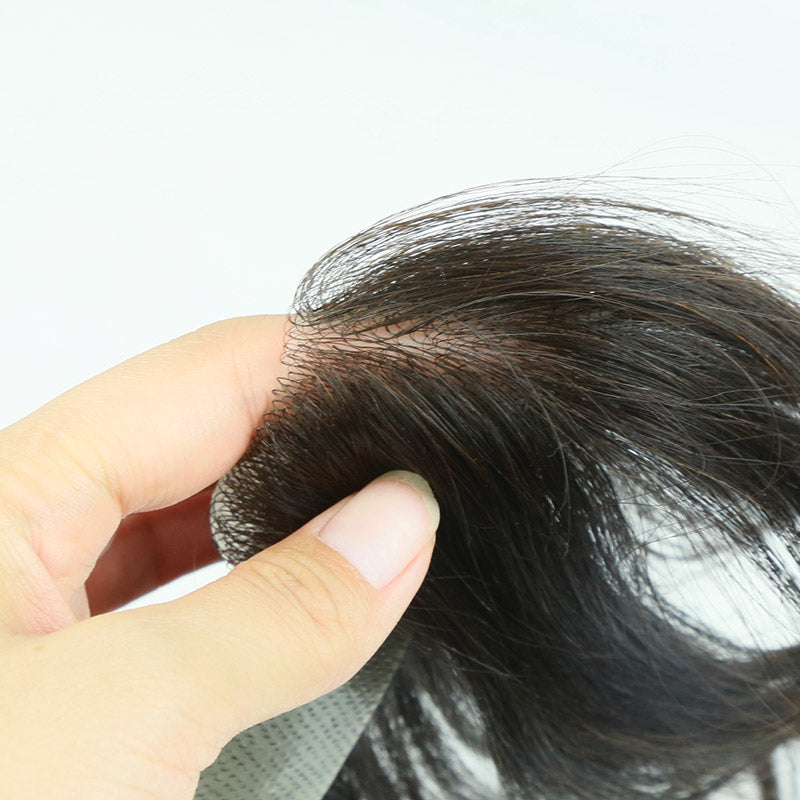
556, 366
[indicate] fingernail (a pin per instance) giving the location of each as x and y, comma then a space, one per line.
382, 528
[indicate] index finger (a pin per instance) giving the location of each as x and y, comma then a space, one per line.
143, 435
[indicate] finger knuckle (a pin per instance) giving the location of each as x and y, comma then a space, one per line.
311, 599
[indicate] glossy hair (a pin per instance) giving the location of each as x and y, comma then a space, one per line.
564, 370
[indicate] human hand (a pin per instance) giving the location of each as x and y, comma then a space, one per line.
135, 704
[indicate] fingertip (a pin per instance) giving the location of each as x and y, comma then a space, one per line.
384, 526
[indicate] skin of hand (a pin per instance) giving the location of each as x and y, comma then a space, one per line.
104, 496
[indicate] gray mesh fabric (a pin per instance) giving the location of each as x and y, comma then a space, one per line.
296, 755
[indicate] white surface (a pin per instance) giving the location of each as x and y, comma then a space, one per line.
166, 164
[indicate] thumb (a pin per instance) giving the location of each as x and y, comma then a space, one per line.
303, 616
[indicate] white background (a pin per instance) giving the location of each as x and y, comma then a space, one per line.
167, 164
